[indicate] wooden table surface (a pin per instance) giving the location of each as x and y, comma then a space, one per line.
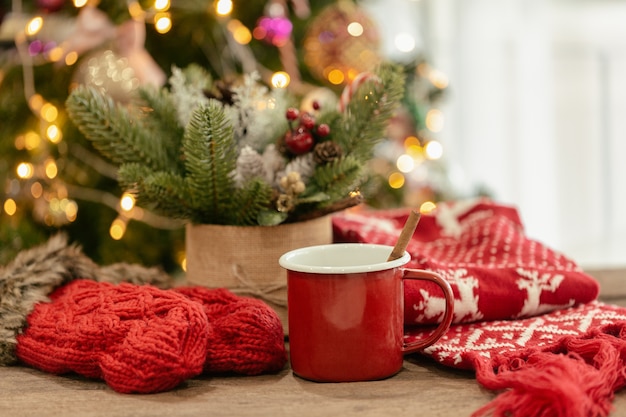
421, 388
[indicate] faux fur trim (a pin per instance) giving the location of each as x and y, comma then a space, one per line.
37, 272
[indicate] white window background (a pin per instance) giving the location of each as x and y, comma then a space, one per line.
536, 110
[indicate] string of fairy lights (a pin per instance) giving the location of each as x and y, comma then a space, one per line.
55, 201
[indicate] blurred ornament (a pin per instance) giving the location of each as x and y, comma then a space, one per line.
324, 97
110, 73
50, 6
91, 30
353, 86
94, 29
273, 30
130, 40
342, 42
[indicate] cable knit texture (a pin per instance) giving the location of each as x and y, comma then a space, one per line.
141, 339
137, 338
247, 336
36, 272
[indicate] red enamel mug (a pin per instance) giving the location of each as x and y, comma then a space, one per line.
346, 311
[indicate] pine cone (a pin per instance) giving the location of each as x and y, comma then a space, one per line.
325, 152
223, 91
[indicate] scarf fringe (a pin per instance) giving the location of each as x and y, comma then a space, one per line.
575, 377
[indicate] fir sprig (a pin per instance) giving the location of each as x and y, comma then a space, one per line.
113, 131
364, 122
161, 122
181, 153
210, 154
338, 178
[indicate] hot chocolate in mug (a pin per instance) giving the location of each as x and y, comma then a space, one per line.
346, 311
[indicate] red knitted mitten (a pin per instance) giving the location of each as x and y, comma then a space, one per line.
137, 338
247, 336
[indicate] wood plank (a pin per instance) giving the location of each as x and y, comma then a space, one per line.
421, 388
612, 283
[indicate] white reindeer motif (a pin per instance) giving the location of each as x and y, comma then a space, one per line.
465, 307
534, 285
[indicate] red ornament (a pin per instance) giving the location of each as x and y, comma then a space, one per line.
50, 5
299, 141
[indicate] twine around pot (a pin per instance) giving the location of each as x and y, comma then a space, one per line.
244, 259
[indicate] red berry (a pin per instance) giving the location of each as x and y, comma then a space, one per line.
307, 120
292, 114
323, 130
316, 105
299, 142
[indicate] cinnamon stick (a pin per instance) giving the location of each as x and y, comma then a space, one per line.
405, 236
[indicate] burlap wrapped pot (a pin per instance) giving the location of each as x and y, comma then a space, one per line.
244, 259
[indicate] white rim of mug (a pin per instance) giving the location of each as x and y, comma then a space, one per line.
287, 260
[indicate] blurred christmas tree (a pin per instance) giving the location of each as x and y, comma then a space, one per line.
55, 180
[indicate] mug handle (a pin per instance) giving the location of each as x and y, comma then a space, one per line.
419, 274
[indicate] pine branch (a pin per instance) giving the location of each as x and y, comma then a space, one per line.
338, 178
162, 123
112, 131
130, 176
250, 201
210, 159
365, 120
168, 194
163, 192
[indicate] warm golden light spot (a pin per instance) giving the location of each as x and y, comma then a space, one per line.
55, 204
183, 264
223, 7
34, 26
127, 202
162, 22
280, 79
241, 34
53, 133
71, 210
35, 102
433, 150
49, 112
55, 54
336, 77
396, 180
51, 168
352, 73
117, 229
79, 3
434, 120
36, 190
71, 58
10, 207
405, 163
25, 170
411, 141
162, 5
355, 29
427, 207
439, 79
135, 10
413, 147
31, 140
